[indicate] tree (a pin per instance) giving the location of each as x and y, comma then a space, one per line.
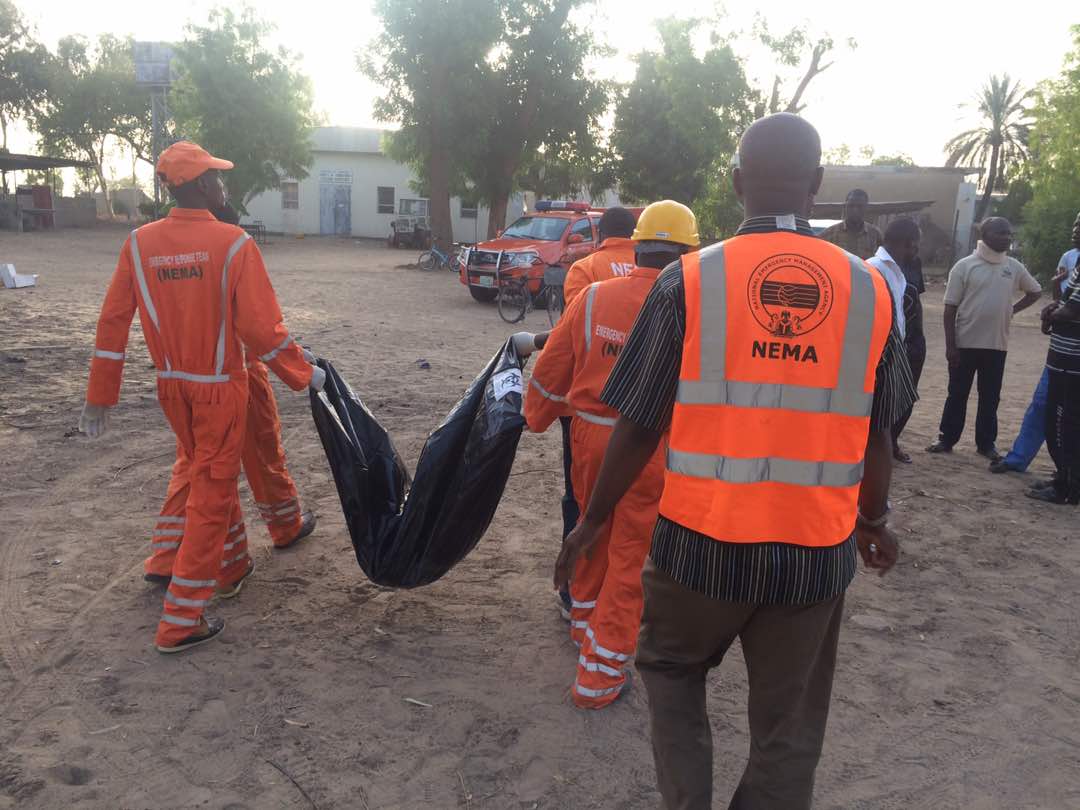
429, 58
239, 99
24, 66
899, 159
791, 51
999, 143
542, 99
680, 118
1054, 166
92, 97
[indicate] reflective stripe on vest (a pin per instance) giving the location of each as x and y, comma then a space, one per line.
755, 470
847, 398
219, 358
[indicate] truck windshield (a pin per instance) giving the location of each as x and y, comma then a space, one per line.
546, 229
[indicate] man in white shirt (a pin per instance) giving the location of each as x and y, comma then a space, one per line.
979, 307
900, 250
900, 247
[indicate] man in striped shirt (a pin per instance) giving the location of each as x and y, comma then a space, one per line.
782, 600
1062, 320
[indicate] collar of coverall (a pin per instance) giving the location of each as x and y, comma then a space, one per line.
616, 241
191, 213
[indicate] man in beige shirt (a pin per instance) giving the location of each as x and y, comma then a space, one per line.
979, 307
855, 234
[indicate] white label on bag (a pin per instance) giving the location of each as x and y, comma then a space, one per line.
506, 382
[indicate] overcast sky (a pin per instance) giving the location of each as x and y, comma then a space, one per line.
902, 89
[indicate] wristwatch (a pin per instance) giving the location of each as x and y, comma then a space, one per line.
875, 523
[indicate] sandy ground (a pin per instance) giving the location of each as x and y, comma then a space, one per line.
956, 688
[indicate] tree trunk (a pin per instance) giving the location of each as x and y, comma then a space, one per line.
99, 172
984, 203
3, 132
442, 228
497, 213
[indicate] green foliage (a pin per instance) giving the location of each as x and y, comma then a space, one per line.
797, 48
429, 58
244, 101
718, 210
682, 115
91, 97
1054, 168
24, 68
899, 159
544, 99
487, 93
999, 143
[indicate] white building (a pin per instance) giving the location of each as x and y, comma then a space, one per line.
354, 189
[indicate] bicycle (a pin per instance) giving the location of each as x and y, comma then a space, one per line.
515, 300
435, 259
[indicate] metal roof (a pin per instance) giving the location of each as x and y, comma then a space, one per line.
10, 162
835, 210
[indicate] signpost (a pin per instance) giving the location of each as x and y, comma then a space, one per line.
153, 69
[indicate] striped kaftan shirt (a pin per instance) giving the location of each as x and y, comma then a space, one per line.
642, 388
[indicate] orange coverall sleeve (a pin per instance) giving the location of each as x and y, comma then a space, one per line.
259, 322
553, 375
114, 325
577, 279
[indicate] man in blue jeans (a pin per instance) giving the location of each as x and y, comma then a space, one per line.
1033, 429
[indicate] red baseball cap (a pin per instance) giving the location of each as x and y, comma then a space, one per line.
184, 161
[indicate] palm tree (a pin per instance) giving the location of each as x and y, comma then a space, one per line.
999, 144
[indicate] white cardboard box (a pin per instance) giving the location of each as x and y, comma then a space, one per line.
13, 280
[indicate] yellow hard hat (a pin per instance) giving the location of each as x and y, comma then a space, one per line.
667, 221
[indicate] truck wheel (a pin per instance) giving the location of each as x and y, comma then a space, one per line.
485, 295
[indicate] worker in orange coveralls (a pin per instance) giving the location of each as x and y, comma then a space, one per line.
614, 258
578, 356
264, 467
202, 293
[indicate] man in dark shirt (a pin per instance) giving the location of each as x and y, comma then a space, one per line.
902, 241
1062, 320
854, 234
783, 600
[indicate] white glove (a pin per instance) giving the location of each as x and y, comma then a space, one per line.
524, 343
308, 355
318, 379
94, 420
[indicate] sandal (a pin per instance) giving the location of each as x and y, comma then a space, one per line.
211, 629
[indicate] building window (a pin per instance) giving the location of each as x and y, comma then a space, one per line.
290, 195
467, 210
385, 200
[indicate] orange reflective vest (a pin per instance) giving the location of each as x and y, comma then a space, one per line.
613, 259
784, 333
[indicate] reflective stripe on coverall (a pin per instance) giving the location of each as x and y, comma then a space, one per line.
202, 292
264, 467
606, 587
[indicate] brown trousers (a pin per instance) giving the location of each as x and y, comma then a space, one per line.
790, 653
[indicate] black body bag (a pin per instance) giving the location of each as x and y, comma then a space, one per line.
407, 535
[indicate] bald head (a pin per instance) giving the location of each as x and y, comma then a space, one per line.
779, 169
